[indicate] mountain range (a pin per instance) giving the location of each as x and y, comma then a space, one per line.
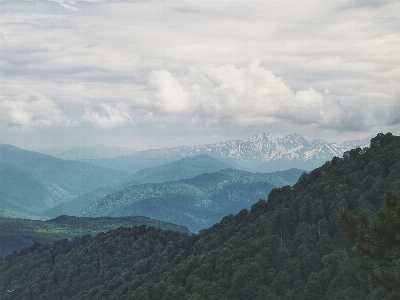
38, 186
197, 202
92, 152
265, 152
31, 182
181, 169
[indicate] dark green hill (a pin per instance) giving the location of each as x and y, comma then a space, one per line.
16, 234
291, 246
184, 168
75, 177
197, 202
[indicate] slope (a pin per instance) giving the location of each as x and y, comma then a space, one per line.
197, 202
16, 234
9, 209
184, 168
75, 177
30, 192
76, 205
92, 152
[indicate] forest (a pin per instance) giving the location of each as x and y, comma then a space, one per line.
335, 234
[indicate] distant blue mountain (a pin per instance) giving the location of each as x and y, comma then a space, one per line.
198, 202
184, 168
31, 182
75, 177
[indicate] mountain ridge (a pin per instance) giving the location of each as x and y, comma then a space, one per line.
73, 176
196, 202
92, 152
264, 152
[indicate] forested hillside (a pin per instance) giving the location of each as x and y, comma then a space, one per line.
16, 234
291, 246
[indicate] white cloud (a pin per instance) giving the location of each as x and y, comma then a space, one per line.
325, 65
171, 96
249, 95
32, 112
110, 115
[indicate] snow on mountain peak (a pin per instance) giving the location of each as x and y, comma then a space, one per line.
278, 150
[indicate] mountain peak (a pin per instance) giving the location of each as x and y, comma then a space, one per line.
263, 152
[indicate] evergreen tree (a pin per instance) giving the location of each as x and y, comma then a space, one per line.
378, 242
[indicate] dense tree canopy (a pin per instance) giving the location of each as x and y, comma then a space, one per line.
378, 242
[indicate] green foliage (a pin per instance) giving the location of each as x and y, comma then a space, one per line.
378, 242
16, 234
67, 267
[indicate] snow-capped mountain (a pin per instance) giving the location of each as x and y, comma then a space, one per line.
268, 151
264, 152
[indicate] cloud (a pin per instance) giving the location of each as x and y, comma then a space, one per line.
249, 95
31, 112
324, 66
169, 92
366, 3
108, 116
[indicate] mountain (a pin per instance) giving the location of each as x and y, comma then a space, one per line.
181, 169
9, 208
197, 202
76, 205
74, 177
184, 168
93, 152
347, 145
290, 246
265, 152
29, 192
16, 234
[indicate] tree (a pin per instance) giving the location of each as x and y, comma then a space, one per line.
378, 242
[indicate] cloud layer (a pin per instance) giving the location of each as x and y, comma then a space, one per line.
311, 66
32, 112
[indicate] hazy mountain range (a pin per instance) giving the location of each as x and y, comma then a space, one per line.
265, 152
197, 202
38, 186
35, 185
31, 182
182, 169
92, 152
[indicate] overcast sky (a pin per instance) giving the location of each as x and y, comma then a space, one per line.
152, 74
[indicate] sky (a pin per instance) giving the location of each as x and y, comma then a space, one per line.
153, 74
